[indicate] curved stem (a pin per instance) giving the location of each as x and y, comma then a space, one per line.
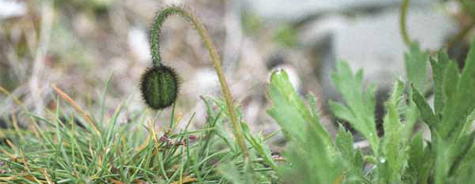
402, 22
155, 36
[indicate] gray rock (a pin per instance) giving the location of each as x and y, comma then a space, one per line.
373, 43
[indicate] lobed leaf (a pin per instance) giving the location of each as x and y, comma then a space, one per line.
438, 68
352, 158
311, 155
393, 156
420, 160
425, 110
416, 67
451, 78
460, 98
359, 111
313, 161
289, 110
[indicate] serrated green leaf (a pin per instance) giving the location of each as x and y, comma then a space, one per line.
358, 161
312, 100
398, 93
393, 153
459, 150
460, 100
468, 126
466, 170
341, 111
451, 78
360, 104
310, 152
420, 160
438, 68
313, 161
466, 176
289, 110
352, 158
411, 115
285, 115
442, 164
344, 143
416, 67
425, 111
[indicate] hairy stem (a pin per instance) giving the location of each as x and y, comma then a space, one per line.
402, 22
155, 36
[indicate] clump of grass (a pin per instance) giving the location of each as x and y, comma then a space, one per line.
120, 152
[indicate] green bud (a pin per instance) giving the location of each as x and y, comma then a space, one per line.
159, 86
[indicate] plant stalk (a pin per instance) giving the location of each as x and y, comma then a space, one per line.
155, 36
402, 22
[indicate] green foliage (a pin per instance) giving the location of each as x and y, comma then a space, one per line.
289, 110
310, 151
393, 147
359, 108
451, 136
352, 159
420, 161
438, 68
416, 67
400, 156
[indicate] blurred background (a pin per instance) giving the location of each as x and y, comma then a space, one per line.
81, 44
